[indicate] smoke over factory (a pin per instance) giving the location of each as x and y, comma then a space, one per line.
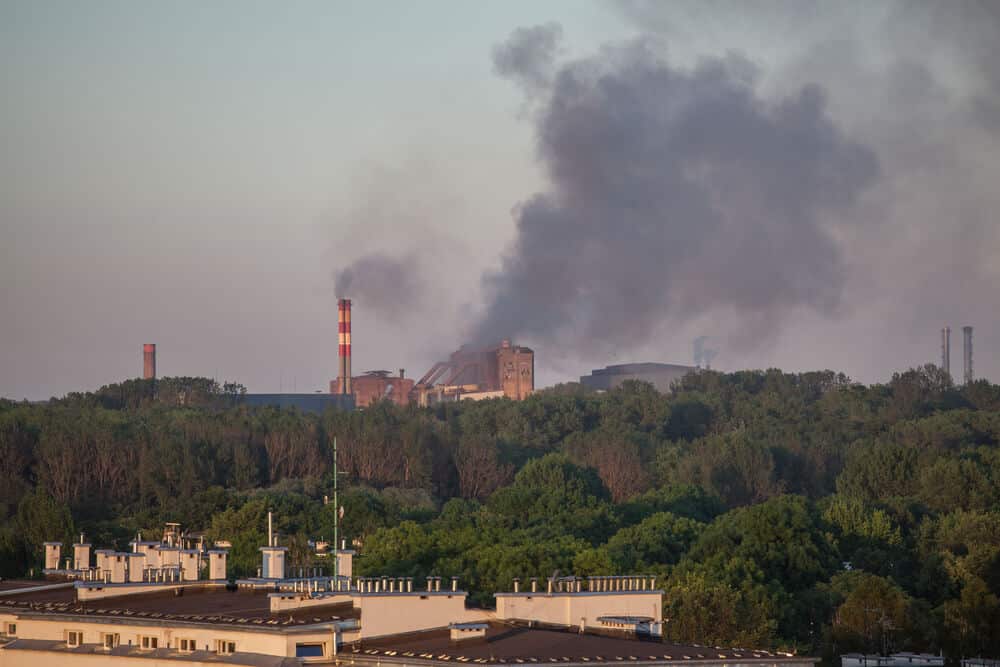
470, 373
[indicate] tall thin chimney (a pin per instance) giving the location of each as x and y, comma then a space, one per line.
967, 356
149, 361
946, 350
344, 336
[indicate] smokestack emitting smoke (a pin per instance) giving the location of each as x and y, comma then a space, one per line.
385, 284
149, 361
946, 349
344, 340
674, 194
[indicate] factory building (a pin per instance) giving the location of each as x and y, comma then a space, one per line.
497, 371
660, 376
85, 615
375, 386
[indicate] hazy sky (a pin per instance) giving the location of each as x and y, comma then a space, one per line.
196, 175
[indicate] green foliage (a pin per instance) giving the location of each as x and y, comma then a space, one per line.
703, 610
873, 612
660, 539
795, 510
40, 518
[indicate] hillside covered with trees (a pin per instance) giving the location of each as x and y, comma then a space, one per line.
804, 512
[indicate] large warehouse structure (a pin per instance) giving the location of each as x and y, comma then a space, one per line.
660, 376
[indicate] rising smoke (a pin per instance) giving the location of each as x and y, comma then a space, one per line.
386, 284
742, 193
674, 193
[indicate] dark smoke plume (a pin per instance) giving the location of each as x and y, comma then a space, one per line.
674, 194
384, 284
528, 56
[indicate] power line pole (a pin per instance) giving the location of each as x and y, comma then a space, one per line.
336, 518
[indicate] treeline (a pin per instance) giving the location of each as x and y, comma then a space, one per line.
796, 510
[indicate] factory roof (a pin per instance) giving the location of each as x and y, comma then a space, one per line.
214, 605
641, 367
518, 643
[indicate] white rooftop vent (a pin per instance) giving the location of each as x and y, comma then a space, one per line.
461, 632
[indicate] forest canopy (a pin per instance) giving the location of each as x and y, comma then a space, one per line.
800, 511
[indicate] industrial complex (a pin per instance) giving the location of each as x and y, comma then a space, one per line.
499, 370
171, 600
493, 371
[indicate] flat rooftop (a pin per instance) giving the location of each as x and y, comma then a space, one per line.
16, 584
192, 604
518, 643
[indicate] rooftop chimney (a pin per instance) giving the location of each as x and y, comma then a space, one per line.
149, 361
946, 350
344, 336
967, 349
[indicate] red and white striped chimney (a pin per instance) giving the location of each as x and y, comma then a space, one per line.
344, 335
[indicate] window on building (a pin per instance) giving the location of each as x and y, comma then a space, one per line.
74, 637
225, 647
11, 629
309, 650
149, 642
110, 640
187, 645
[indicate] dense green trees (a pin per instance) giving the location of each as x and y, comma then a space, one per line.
802, 511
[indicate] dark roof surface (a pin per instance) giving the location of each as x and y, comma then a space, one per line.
204, 605
160, 654
14, 584
518, 643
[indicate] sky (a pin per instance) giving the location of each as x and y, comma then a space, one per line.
811, 185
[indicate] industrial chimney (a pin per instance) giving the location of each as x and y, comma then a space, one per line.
967, 356
344, 335
149, 361
946, 350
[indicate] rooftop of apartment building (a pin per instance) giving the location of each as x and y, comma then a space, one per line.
217, 605
523, 643
45, 646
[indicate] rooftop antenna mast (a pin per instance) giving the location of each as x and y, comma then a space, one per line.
338, 512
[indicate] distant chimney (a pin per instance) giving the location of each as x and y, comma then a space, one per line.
946, 349
344, 338
967, 349
149, 361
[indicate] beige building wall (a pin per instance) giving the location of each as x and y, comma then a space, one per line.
256, 640
53, 552
290, 601
81, 556
217, 564
572, 608
388, 614
345, 563
136, 566
169, 556
91, 591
